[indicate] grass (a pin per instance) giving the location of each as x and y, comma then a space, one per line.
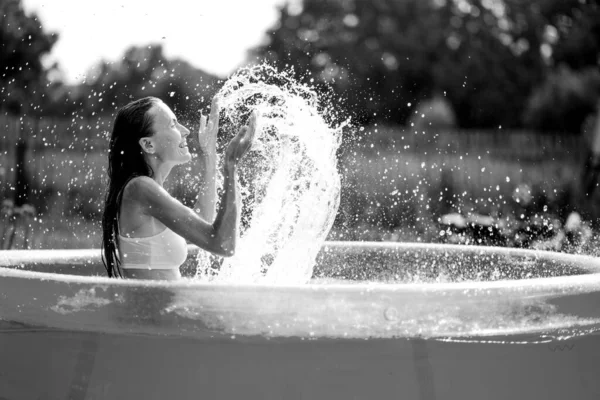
395, 185
393, 188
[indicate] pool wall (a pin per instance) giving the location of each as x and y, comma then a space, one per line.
71, 335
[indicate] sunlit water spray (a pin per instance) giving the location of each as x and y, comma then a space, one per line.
290, 181
290, 195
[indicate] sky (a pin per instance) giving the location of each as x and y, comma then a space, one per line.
213, 35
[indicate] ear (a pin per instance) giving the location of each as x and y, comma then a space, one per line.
147, 145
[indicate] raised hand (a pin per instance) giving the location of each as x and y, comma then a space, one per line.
241, 143
207, 133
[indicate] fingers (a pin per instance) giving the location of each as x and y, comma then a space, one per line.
233, 148
242, 131
244, 139
214, 103
249, 130
202, 127
252, 120
252, 124
213, 120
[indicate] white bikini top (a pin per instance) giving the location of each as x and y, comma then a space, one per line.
166, 250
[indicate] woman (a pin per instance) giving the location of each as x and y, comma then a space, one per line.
144, 228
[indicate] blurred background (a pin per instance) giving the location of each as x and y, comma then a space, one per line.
472, 121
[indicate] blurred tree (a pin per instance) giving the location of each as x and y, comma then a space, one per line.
143, 71
571, 33
433, 114
23, 43
564, 101
571, 88
384, 56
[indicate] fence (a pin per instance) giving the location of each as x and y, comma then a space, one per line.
392, 167
505, 145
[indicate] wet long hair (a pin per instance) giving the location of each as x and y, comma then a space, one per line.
125, 162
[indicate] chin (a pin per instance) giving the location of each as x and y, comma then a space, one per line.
186, 158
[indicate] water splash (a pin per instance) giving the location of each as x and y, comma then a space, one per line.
290, 181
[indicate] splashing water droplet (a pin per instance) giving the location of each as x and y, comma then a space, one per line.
290, 182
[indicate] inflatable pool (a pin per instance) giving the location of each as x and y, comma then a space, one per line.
377, 321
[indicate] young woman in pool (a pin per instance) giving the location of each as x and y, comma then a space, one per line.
144, 228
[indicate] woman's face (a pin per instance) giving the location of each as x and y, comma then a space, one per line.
169, 140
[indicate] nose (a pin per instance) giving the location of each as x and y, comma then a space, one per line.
184, 131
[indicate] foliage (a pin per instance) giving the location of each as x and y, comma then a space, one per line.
25, 86
23, 43
433, 114
572, 32
142, 71
389, 193
571, 87
384, 56
564, 100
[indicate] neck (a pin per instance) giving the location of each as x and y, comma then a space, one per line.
160, 169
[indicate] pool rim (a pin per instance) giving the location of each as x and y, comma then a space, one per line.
50, 257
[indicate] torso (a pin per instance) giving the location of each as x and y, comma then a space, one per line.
155, 252
133, 222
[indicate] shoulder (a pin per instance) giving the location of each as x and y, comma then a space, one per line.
148, 197
142, 189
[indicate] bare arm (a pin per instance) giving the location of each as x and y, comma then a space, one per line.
207, 138
219, 237
207, 192
228, 216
